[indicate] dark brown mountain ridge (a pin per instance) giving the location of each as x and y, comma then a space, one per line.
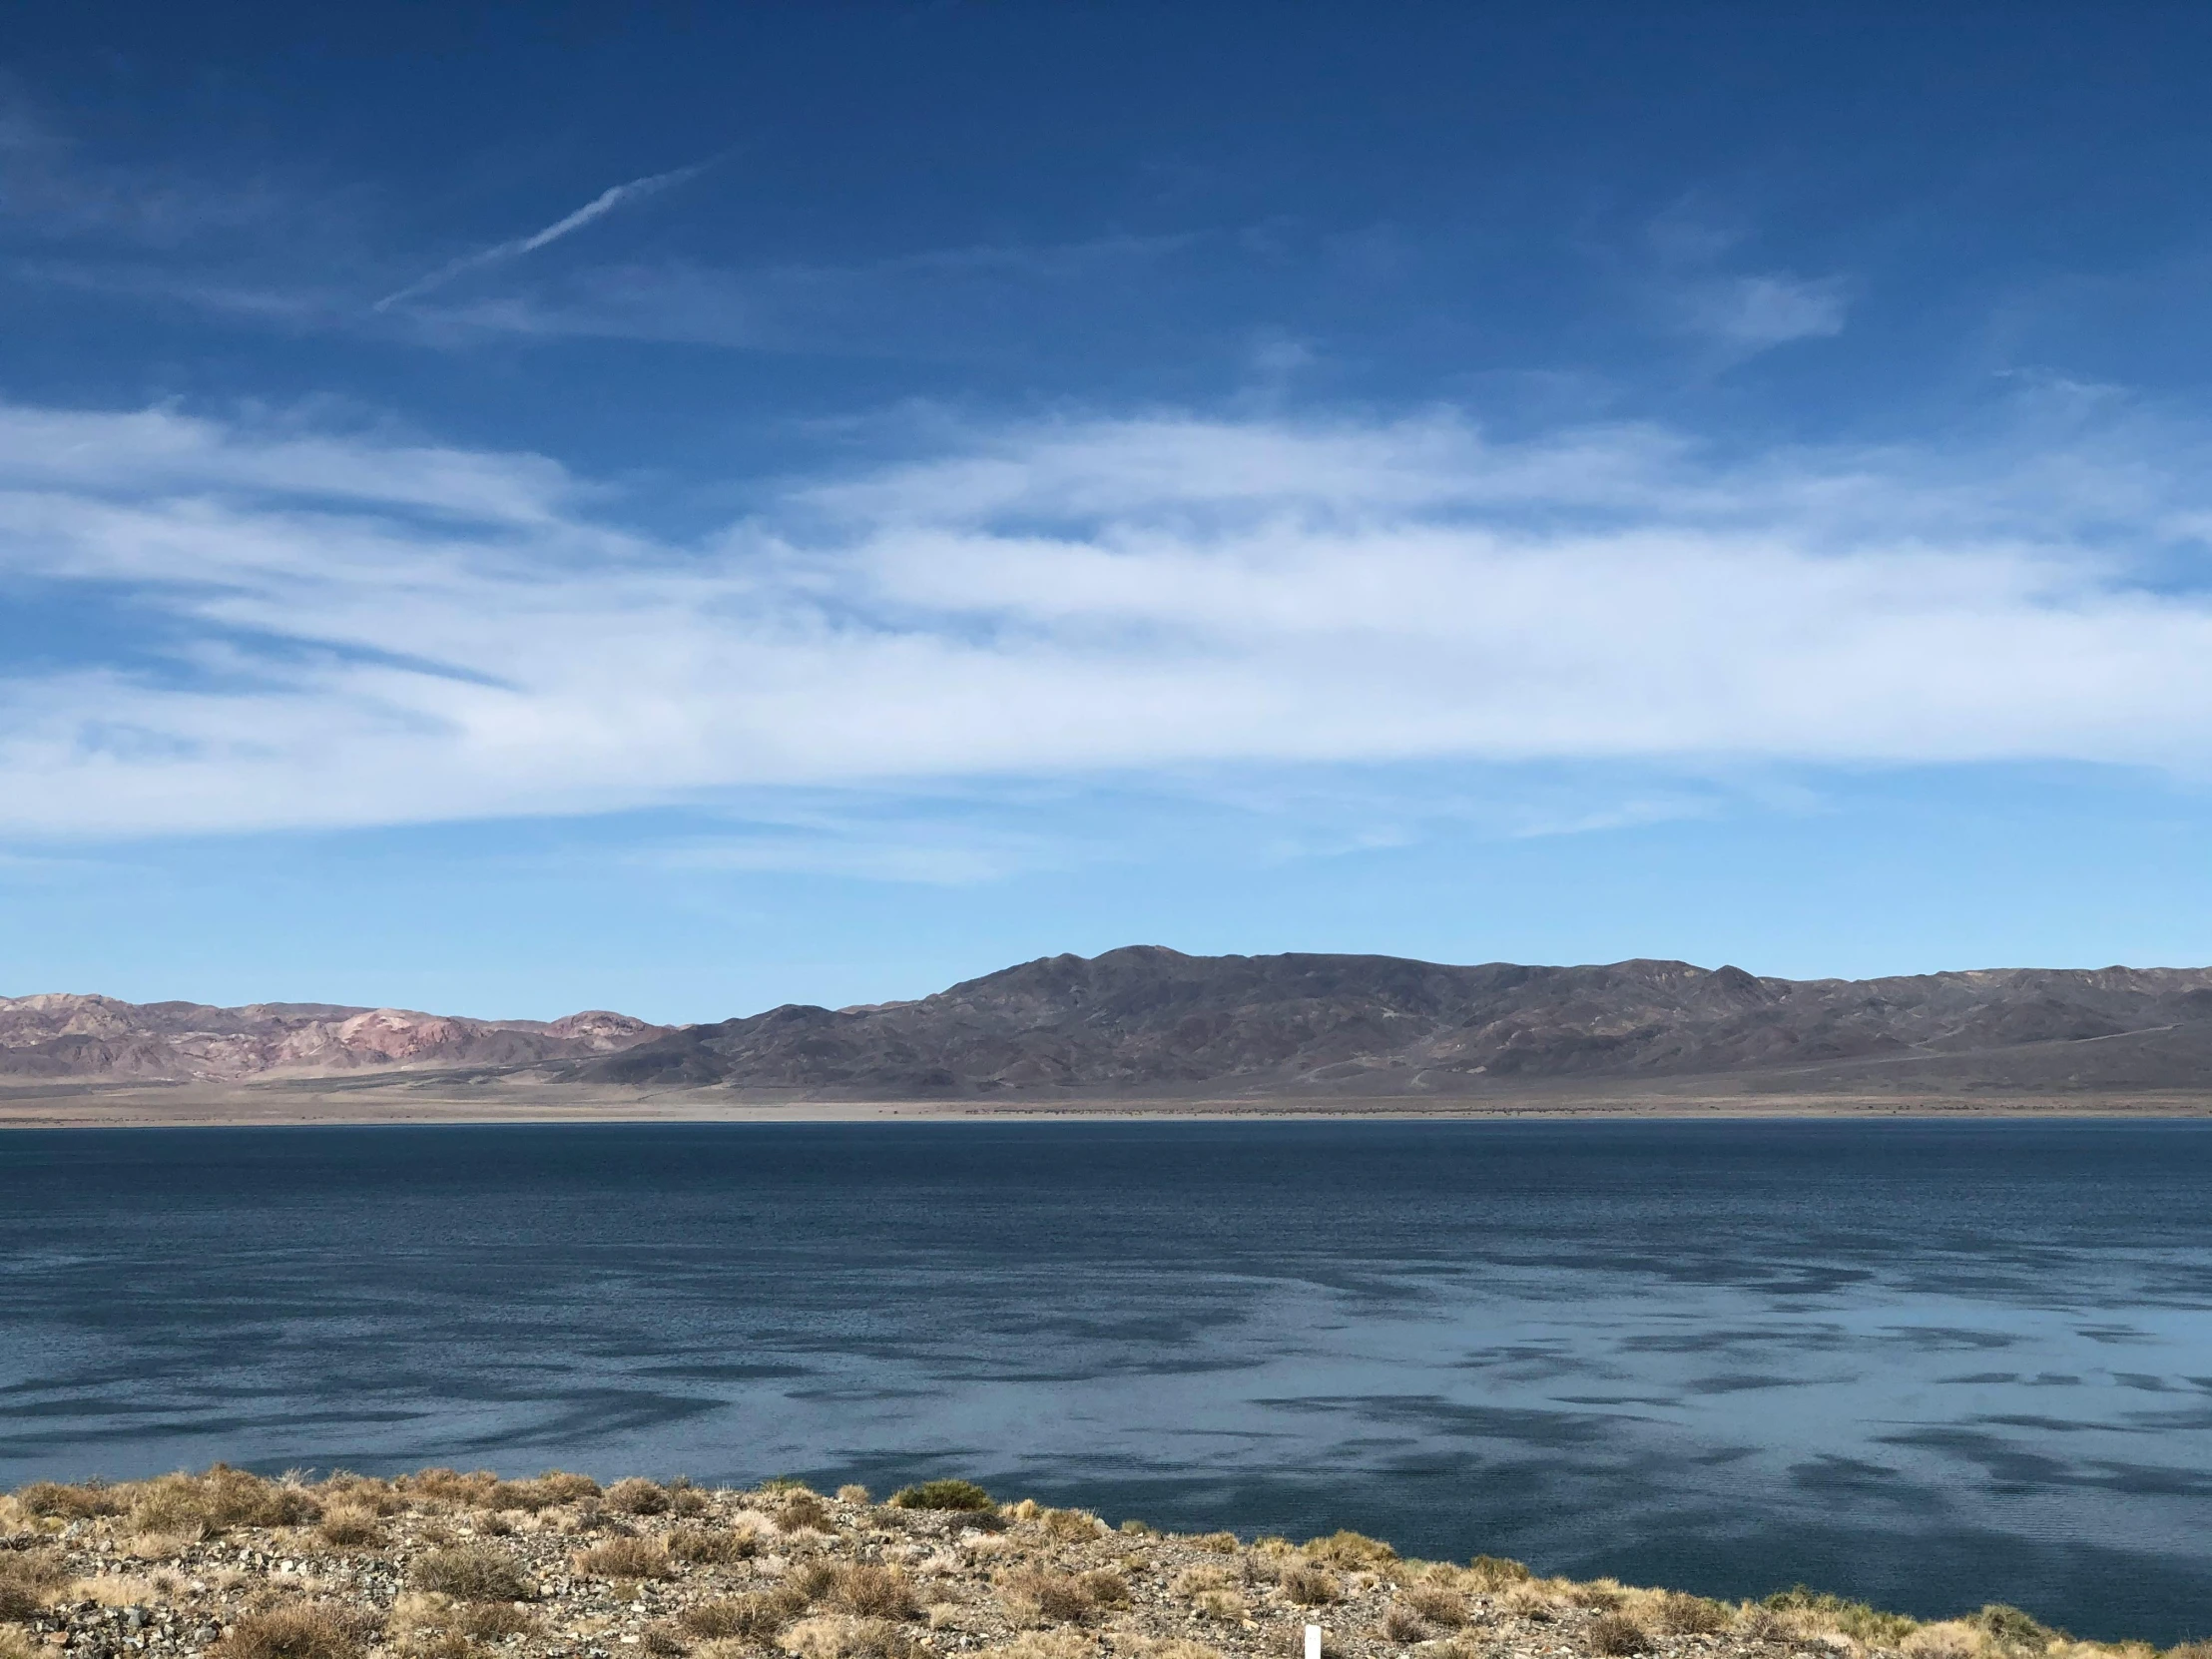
1145, 1021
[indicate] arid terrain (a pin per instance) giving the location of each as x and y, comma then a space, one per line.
63, 1037
1150, 1030
442, 1565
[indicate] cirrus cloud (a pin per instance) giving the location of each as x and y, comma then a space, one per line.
310, 628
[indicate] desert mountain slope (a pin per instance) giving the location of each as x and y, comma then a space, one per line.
1150, 1019
98, 1037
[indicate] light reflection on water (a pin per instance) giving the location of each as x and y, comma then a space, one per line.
1933, 1365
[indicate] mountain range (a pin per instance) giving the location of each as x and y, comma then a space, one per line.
1147, 1022
66, 1036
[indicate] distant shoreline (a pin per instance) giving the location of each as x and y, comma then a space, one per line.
390, 1099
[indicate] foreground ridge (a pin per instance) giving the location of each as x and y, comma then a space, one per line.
442, 1565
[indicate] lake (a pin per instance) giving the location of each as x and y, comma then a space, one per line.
1928, 1364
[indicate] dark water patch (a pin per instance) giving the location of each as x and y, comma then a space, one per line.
1720, 1356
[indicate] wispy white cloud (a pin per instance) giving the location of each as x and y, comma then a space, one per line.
1751, 314
360, 630
597, 208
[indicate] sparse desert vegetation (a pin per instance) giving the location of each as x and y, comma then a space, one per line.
447, 1565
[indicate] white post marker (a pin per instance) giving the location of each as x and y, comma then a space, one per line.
1313, 1641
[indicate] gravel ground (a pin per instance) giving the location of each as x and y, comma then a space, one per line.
440, 1565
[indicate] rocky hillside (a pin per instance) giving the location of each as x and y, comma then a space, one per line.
442, 1565
1146, 1020
98, 1037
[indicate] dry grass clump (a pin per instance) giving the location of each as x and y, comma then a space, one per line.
757, 1617
1221, 1543
1817, 1610
1350, 1549
624, 1558
1687, 1615
853, 1492
637, 1496
1436, 1604
1071, 1525
943, 1494
712, 1546
19, 1603
1492, 1573
1037, 1593
79, 1502
1220, 1606
473, 1572
202, 1505
872, 1592
803, 1512
1310, 1586
1193, 1581
353, 1491
296, 1633
1945, 1639
351, 1529
1617, 1634
2011, 1630
28, 1580
837, 1637
1402, 1626
491, 1621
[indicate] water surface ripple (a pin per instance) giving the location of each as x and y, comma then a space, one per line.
1928, 1364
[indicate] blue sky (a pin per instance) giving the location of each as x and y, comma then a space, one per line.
682, 509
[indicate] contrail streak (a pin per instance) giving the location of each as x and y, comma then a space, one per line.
598, 206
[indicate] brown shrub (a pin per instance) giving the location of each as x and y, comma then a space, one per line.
1198, 1580
1222, 1606
450, 1486
1107, 1588
872, 1592
1402, 1626
379, 1497
351, 1528
840, 1637
1496, 1572
1604, 1594
296, 1633
1615, 1634
812, 1582
637, 1496
803, 1512
1221, 1543
223, 1497
1310, 1586
1688, 1615
473, 1572
19, 1603
487, 1621
661, 1639
1439, 1604
83, 1502
1056, 1597
558, 1486
35, 1570
624, 1558
703, 1547
756, 1617
853, 1492
1075, 1525
1350, 1549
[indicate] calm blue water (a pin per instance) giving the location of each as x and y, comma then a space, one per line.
1932, 1365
